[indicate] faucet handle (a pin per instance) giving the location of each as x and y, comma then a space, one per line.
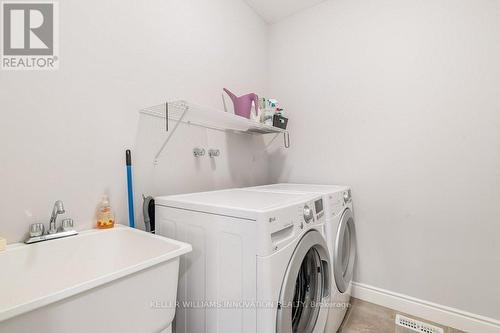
67, 224
36, 229
213, 153
198, 152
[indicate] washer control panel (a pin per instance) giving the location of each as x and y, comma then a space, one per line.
312, 211
319, 207
287, 223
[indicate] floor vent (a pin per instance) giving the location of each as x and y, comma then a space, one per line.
416, 325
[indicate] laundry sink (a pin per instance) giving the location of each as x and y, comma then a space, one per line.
116, 280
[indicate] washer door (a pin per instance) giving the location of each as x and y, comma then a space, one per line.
344, 253
306, 287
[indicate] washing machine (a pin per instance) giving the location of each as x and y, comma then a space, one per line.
341, 239
260, 261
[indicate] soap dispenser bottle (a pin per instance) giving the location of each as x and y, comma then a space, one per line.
105, 216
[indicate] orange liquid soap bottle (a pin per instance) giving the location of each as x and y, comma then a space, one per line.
105, 216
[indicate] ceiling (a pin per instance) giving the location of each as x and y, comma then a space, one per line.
274, 10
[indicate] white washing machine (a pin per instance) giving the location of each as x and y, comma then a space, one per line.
260, 262
341, 239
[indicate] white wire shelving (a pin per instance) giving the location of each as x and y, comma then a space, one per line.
178, 112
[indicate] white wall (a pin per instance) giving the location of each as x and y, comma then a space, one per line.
400, 99
397, 98
63, 134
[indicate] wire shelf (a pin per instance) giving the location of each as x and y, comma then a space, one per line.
192, 114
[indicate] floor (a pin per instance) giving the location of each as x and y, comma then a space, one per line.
364, 317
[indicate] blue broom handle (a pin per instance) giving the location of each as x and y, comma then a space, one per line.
129, 188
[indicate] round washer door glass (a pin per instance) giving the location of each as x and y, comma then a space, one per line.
344, 253
305, 286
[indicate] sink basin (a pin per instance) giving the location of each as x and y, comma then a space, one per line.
115, 280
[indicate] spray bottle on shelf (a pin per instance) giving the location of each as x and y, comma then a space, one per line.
105, 216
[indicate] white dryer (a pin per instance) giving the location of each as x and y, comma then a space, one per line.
341, 239
260, 262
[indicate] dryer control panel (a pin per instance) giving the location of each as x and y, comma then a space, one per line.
337, 202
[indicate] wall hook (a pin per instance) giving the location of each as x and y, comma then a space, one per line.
286, 139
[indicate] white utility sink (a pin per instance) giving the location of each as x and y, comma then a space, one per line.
116, 280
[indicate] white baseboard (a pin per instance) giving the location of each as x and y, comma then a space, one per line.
437, 313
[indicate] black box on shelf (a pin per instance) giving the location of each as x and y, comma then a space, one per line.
280, 121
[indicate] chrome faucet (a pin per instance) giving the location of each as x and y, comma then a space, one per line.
37, 230
58, 209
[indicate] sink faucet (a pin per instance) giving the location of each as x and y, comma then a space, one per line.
37, 230
58, 209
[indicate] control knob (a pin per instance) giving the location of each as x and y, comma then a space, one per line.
308, 214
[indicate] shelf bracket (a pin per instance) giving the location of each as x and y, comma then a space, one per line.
170, 133
271, 142
166, 116
287, 141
